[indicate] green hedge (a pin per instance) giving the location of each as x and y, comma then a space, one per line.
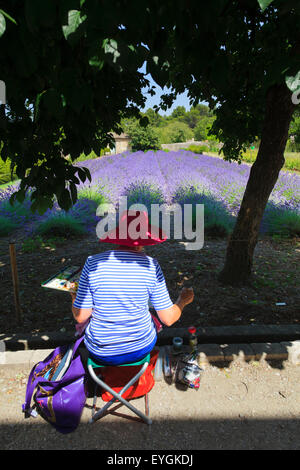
198, 148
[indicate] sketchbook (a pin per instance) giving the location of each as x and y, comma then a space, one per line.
62, 280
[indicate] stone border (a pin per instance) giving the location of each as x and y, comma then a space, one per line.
288, 350
244, 334
208, 354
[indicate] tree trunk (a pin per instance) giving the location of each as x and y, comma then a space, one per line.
263, 176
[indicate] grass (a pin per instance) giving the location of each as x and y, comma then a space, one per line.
198, 148
91, 156
6, 185
5, 172
292, 159
93, 194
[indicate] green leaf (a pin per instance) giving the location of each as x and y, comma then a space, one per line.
81, 174
84, 173
65, 7
40, 203
110, 46
144, 121
293, 83
37, 105
158, 71
264, 4
64, 200
8, 16
73, 191
2, 24
96, 62
74, 21
20, 195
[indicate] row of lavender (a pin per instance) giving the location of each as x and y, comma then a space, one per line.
184, 177
181, 177
172, 170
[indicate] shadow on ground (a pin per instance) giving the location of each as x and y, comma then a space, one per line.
174, 435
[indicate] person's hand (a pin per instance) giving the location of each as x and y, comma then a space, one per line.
73, 294
187, 295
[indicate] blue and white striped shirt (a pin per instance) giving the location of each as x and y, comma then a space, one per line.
118, 285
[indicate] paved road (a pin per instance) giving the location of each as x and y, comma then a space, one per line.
247, 405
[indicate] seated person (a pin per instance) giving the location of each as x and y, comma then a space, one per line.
114, 290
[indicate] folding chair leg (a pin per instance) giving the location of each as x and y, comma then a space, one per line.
95, 399
147, 404
118, 396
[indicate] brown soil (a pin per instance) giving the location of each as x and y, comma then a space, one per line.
275, 279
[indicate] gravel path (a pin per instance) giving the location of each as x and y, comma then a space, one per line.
245, 406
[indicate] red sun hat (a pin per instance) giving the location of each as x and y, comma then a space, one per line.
134, 224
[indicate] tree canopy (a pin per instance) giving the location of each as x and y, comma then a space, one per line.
72, 71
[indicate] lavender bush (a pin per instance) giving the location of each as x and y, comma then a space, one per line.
217, 219
80, 219
143, 193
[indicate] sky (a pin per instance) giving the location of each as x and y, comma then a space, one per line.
181, 100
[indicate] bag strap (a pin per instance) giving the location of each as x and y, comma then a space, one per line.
33, 382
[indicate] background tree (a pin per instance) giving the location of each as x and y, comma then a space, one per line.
175, 131
198, 113
242, 74
154, 119
142, 137
179, 113
201, 131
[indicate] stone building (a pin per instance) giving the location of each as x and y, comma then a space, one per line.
122, 142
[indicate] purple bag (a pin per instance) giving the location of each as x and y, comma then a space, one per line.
61, 398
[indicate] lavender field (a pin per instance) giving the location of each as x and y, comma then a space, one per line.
159, 177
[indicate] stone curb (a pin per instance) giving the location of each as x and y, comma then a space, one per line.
216, 344
209, 353
243, 334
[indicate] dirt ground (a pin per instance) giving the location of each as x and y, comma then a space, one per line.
275, 279
246, 406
